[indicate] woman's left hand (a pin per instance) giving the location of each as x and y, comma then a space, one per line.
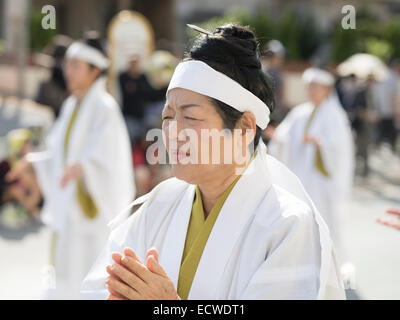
312, 140
131, 279
72, 172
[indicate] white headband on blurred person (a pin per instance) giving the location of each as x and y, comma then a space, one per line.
319, 76
199, 77
80, 50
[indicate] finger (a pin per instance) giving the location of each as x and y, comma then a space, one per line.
13, 174
128, 277
114, 297
110, 272
64, 180
116, 256
392, 211
136, 267
123, 289
155, 267
389, 223
152, 251
115, 293
17, 193
129, 252
393, 225
381, 220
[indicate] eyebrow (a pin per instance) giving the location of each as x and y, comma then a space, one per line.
184, 106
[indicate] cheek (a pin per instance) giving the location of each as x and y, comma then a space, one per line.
68, 74
75, 78
165, 135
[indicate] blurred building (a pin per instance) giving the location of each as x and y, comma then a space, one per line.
75, 16
168, 17
325, 11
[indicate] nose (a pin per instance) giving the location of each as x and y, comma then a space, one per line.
175, 131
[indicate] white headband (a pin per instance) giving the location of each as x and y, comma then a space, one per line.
319, 76
199, 77
87, 53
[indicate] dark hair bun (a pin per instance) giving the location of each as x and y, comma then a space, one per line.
233, 50
237, 43
92, 38
242, 37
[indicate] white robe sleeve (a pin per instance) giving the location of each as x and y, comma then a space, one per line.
130, 234
292, 267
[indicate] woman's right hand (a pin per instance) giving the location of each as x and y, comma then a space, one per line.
20, 170
24, 187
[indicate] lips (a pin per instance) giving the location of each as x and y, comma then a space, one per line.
178, 154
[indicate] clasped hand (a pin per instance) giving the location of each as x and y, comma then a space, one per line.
130, 279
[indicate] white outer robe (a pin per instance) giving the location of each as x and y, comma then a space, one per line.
99, 142
332, 129
268, 242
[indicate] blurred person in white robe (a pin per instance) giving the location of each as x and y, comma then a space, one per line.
86, 172
315, 141
221, 229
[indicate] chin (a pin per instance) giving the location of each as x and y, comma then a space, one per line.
184, 172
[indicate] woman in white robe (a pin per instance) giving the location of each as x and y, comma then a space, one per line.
85, 174
268, 240
315, 142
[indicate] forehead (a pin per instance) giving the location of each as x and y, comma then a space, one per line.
75, 61
179, 96
318, 85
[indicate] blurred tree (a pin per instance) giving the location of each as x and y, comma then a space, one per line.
345, 42
379, 48
301, 36
39, 37
391, 33
289, 35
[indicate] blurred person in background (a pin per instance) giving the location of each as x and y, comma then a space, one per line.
26, 192
272, 62
395, 67
23, 191
363, 116
386, 98
86, 173
53, 92
346, 88
137, 93
316, 143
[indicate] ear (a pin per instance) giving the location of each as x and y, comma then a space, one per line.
247, 123
95, 72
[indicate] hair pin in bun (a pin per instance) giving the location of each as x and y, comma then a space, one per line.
198, 29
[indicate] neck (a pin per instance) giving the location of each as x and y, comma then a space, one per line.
211, 190
134, 74
79, 94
